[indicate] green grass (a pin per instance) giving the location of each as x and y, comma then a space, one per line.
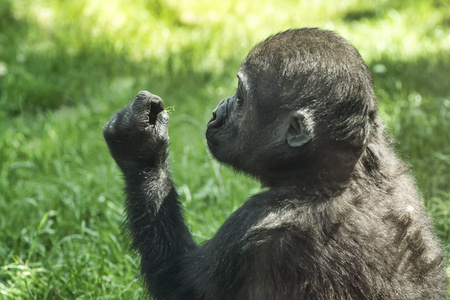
66, 66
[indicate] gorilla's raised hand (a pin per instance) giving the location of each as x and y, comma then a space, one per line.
137, 136
138, 139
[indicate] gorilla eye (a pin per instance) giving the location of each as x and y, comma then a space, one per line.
239, 97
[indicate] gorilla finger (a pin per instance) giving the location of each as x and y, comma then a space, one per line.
115, 124
162, 124
142, 95
145, 100
148, 106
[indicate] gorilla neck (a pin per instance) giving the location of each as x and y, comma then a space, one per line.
327, 169
330, 174
326, 177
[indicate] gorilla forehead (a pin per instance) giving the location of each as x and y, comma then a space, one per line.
313, 47
310, 65
294, 55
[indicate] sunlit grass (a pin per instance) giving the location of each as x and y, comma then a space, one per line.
66, 66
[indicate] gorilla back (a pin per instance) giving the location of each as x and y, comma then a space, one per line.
340, 217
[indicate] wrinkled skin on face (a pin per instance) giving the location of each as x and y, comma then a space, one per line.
243, 129
291, 112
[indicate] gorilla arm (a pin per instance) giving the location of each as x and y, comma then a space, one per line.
137, 137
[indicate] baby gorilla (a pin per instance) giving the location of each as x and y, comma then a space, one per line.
339, 218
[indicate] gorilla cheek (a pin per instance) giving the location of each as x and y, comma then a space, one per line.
216, 143
222, 142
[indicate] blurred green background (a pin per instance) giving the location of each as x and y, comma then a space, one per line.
66, 66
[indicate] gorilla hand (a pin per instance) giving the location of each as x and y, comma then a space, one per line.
137, 136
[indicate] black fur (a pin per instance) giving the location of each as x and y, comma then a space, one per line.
340, 218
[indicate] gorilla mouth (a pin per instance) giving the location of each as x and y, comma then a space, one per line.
212, 143
210, 139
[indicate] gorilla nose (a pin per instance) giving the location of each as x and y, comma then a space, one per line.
144, 95
219, 114
214, 115
215, 121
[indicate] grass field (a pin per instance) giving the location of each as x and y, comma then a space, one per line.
66, 66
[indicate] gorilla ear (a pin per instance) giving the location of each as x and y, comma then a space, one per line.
297, 134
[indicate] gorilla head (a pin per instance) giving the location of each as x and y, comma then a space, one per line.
304, 104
